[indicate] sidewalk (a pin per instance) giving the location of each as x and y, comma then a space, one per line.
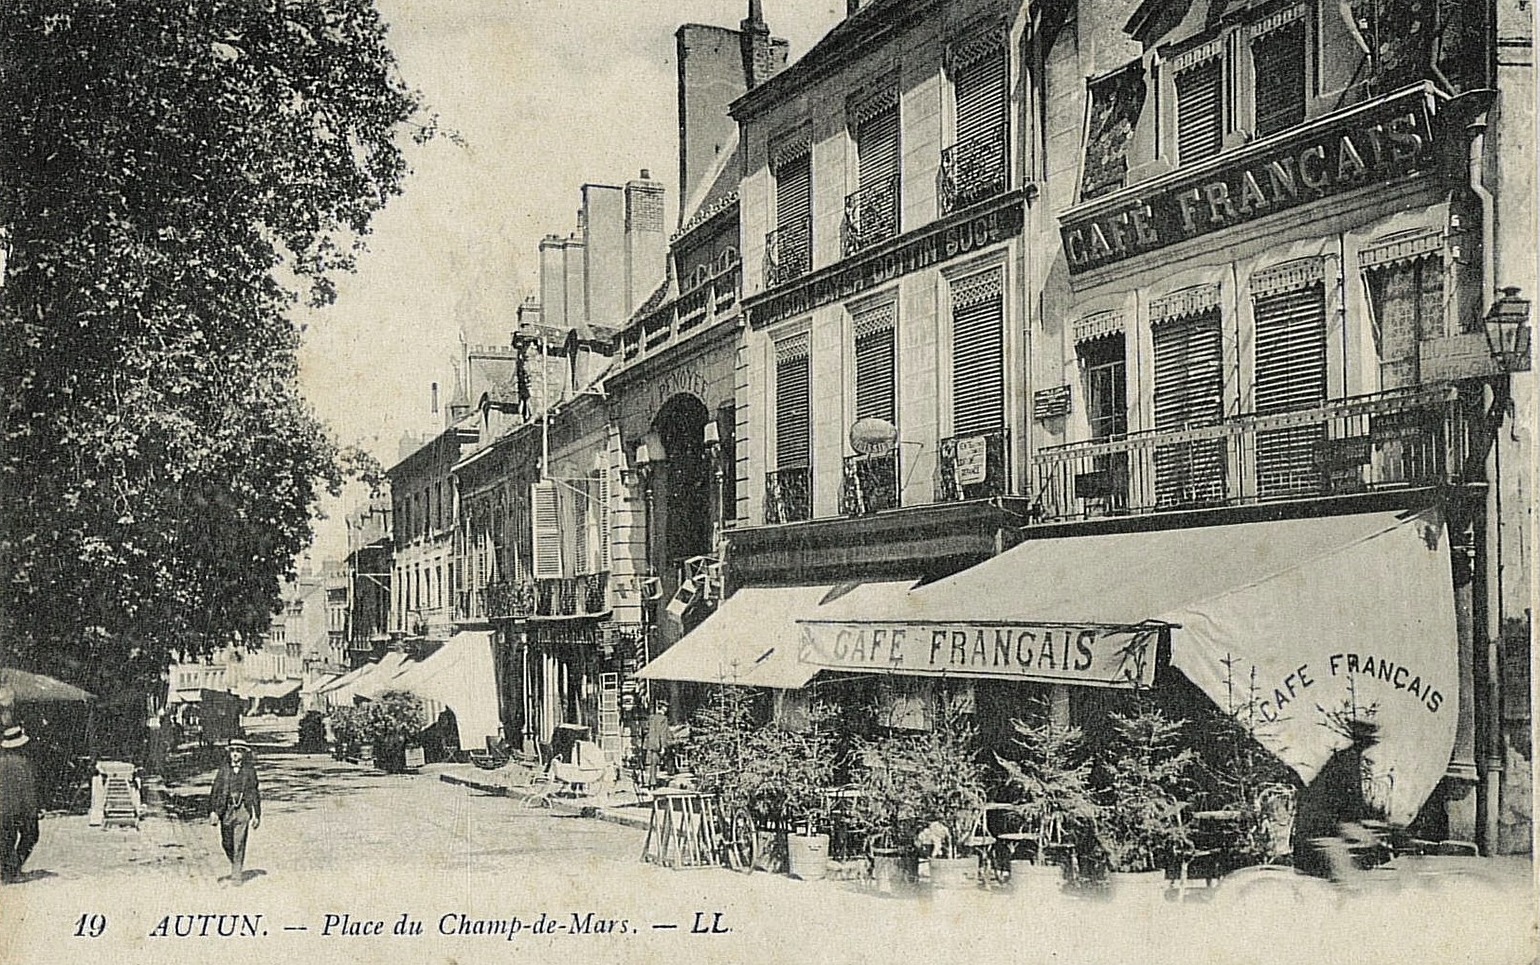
620, 805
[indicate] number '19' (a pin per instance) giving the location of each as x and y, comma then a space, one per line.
90, 926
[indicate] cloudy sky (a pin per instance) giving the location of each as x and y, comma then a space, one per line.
547, 95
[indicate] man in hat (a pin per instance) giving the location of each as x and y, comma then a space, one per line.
657, 740
18, 804
235, 804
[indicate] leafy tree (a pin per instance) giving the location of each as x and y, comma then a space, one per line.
174, 179
1146, 777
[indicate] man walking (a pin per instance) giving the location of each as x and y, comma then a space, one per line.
18, 804
235, 805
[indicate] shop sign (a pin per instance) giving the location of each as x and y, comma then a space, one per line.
1371, 146
1090, 656
929, 246
1050, 403
970, 463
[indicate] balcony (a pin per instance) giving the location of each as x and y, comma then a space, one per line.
972, 467
696, 308
789, 495
871, 216
788, 252
973, 170
507, 601
1404, 439
870, 484
566, 596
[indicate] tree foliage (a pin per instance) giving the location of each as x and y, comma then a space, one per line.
175, 178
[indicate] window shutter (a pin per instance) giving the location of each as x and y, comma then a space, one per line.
874, 352
579, 522
978, 354
979, 89
545, 511
1278, 59
1199, 111
1189, 384
793, 191
877, 147
1290, 375
793, 404
602, 498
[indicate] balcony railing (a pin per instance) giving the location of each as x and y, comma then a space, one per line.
502, 601
788, 252
972, 467
789, 495
871, 215
870, 484
1404, 439
566, 596
973, 170
674, 319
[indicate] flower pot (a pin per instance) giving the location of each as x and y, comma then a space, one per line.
954, 873
894, 869
1141, 892
807, 856
1035, 882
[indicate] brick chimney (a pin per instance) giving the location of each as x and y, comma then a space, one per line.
646, 243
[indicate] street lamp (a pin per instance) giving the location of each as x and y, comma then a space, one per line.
1507, 331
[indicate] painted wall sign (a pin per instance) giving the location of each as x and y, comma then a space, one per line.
1371, 146
1091, 656
1050, 403
929, 246
971, 463
873, 437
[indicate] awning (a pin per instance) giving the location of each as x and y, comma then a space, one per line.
1331, 617
276, 689
369, 682
35, 688
184, 697
460, 676
752, 639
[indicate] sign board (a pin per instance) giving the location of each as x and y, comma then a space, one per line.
1050, 403
873, 437
971, 463
1090, 656
416, 757
1465, 356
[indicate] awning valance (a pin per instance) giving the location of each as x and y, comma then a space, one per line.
1326, 618
752, 639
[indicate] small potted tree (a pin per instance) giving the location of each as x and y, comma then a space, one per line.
1050, 773
392, 720
1142, 828
792, 771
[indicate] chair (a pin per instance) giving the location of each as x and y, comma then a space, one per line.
579, 776
495, 756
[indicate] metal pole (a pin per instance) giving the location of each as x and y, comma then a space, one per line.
1492, 763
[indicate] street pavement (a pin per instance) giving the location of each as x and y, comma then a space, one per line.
347, 857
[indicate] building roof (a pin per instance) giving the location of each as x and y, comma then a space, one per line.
718, 190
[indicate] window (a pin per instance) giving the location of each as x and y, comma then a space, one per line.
978, 354
1105, 366
1278, 72
1189, 386
789, 248
974, 168
793, 403
874, 357
1407, 300
1115, 103
1290, 312
1200, 106
871, 213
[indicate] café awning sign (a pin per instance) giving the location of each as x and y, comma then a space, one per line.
1096, 656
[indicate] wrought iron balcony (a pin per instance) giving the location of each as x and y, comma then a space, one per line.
788, 252
504, 601
973, 170
789, 495
871, 215
973, 466
1403, 439
870, 484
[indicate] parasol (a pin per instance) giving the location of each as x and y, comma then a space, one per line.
34, 688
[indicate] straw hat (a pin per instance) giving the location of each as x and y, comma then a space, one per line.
13, 738
236, 744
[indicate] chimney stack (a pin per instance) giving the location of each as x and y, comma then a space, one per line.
646, 244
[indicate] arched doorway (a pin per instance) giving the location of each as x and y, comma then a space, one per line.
686, 505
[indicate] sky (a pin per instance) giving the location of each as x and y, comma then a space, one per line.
545, 95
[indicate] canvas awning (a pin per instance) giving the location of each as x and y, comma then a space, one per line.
35, 688
373, 680
752, 638
1331, 617
276, 689
461, 676
184, 697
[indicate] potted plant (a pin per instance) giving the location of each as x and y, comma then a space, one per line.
1050, 774
392, 720
1142, 829
791, 771
925, 790
727, 744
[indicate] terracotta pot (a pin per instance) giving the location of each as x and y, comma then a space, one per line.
954, 873
807, 856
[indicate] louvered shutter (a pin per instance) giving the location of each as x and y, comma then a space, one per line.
793, 191
1290, 375
1199, 111
1189, 382
579, 522
602, 499
1278, 59
874, 351
979, 90
793, 412
978, 354
877, 147
545, 512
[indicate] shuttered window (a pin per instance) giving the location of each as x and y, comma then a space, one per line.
1106, 384
1278, 61
1408, 304
877, 147
793, 191
979, 88
978, 354
874, 352
579, 535
1200, 110
793, 404
601, 501
545, 511
1189, 383
1290, 375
